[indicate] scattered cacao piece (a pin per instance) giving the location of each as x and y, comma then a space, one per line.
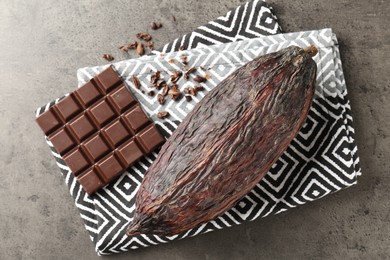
150, 45
176, 75
160, 99
154, 78
188, 98
202, 68
191, 91
108, 57
135, 81
132, 45
140, 49
184, 59
162, 54
151, 93
162, 114
188, 72
174, 93
144, 36
171, 61
209, 68
199, 79
165, 90
155, 25
181, 48
143, 92
160, 84
173, 18
207, 76
123, 48
199, 88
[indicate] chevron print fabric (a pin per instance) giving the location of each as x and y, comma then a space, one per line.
250, 20
321, 160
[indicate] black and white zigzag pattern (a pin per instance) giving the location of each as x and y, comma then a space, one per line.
250, 20
322, 159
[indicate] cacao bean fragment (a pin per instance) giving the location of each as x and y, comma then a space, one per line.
132, 45
199, 79
150, 45
204, 169
155, 25
162, 114
188, 72
136, 81
140, 49
199, 88
144, 36
176, 74
174, 93
188, 98
165, 90
160, 99
108, 57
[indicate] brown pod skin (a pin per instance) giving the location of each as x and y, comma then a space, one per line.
227, 143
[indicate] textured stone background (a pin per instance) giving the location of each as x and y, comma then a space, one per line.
43, 42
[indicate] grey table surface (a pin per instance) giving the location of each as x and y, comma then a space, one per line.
43, 42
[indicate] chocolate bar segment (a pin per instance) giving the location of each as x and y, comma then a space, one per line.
100, 130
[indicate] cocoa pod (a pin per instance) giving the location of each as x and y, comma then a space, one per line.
227, 143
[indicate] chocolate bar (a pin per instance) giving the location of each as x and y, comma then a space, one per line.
100, 130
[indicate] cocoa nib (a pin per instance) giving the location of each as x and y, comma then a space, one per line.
155, 25
188, 98
151, 93
165, 90
184, 59
150, 45
176, 75
162, 114
160, 99
190, 91
132, 45
188, 72
173, 18
108, 57
199, 79
144, 36
154, 78
199, 88
140, 49
174, 93
160, 84
136, 82
123, 48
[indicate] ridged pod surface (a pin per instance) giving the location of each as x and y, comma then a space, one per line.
227, 143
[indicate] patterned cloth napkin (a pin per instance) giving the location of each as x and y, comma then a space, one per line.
322, 159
